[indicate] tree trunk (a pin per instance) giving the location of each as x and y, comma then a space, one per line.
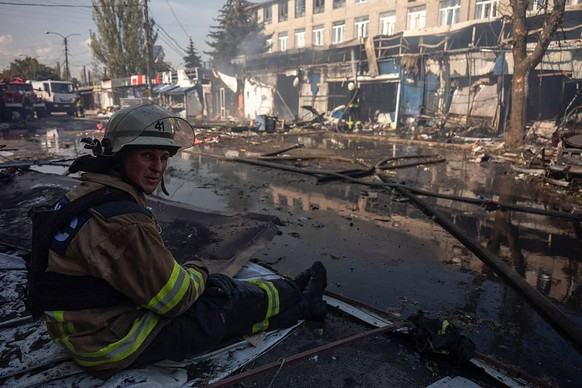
518, 118
521, 67
524, 63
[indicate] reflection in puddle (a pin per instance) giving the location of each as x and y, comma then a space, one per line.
528, 242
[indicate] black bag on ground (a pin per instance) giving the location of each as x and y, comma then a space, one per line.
440, 337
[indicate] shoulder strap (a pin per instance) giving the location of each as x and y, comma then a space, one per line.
53, 291
86, 202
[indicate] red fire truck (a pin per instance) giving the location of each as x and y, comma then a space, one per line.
17, 96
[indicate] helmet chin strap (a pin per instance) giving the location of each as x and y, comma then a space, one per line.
163, 185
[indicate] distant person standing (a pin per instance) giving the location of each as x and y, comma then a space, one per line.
79, 108
353, 109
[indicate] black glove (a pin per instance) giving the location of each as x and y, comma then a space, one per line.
219, 285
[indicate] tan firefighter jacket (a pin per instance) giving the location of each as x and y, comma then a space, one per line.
128, 252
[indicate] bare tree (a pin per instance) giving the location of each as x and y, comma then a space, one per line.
525, 62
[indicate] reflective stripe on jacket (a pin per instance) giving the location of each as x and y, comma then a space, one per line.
127, 251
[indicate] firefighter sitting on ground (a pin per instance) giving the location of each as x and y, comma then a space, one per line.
353, 109
113, 295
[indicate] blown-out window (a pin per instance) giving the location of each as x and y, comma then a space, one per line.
299, 8
267, 14
283, 10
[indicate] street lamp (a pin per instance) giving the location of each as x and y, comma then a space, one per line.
66, 74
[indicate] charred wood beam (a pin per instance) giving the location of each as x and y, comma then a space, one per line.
274, 153
229, 381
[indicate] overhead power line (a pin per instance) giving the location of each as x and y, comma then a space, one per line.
46, 5
56, 5
176, 45
175, 17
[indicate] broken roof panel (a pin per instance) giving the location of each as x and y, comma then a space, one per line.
556, 60
182, 90
479, 103
477, 64
163, 88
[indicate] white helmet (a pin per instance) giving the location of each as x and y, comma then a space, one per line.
146, 125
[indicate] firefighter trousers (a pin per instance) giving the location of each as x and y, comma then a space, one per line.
249, 308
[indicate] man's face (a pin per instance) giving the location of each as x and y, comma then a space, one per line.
145, 168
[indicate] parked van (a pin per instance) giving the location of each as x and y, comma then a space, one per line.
59, 96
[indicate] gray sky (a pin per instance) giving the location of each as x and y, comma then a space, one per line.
23, 24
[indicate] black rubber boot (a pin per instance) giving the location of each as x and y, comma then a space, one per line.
314, 307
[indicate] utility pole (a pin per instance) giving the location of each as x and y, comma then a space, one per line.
66, 73
149, 65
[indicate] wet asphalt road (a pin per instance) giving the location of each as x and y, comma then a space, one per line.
387, 253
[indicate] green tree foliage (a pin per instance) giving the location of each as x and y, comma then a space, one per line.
119, 43
29, 68
192, 59
236, 33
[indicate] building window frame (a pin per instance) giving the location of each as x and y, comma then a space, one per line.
485, 9
416, 18
449, 11
318, 35
387, 25
269, 45
338, 4
299, 8
300, 38
268, 13
318, 6
361, 25
283, 39
537, 5
283, 10
338, 31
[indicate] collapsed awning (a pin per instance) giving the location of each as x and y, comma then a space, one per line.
164, 88
178, 91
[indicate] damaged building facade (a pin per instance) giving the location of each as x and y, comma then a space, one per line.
415, 62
